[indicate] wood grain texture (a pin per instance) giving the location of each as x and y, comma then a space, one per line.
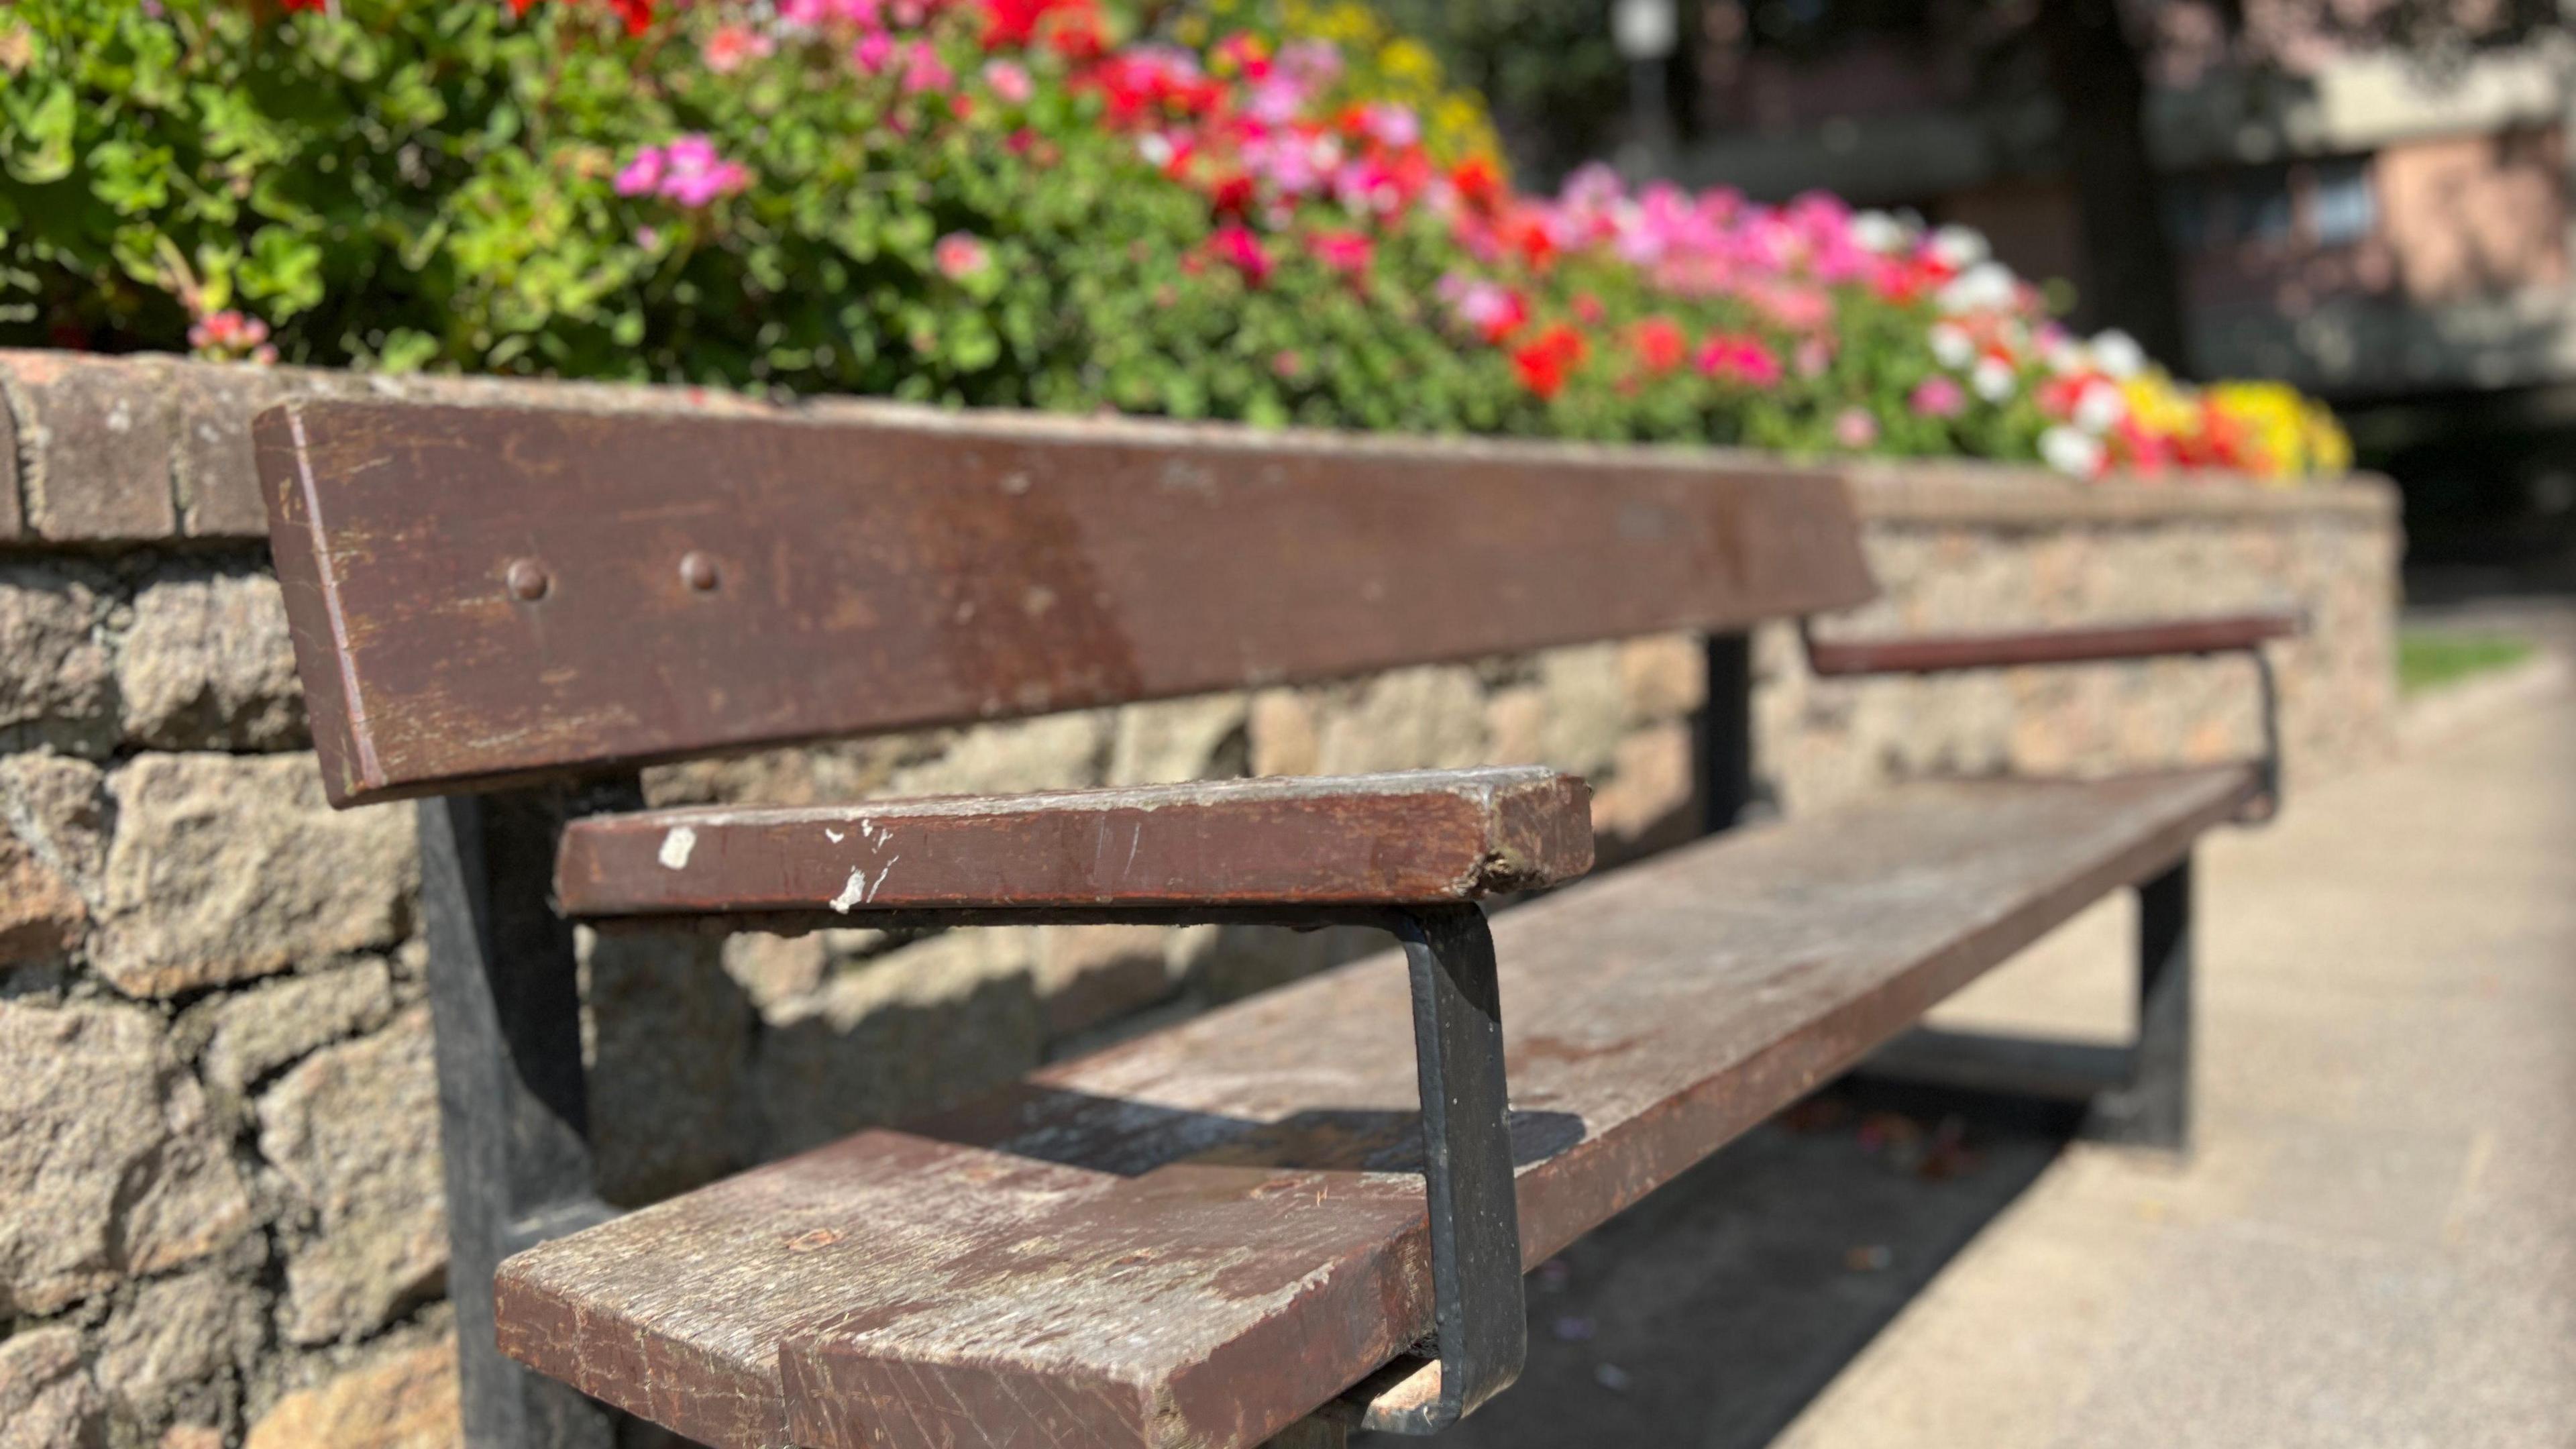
1941, 653
1196, 1237
1417, 836
892, 574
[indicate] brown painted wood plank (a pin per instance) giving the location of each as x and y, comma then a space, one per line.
483, 593
1194, 1238
1416, 836
1935, 654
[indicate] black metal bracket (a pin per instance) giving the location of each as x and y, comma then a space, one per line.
2137, 1094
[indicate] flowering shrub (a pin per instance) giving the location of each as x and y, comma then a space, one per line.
1265, 210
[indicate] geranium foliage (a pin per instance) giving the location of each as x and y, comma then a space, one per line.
1256, 210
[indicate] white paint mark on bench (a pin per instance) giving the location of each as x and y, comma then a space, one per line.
853, 892
676, 847
858, 890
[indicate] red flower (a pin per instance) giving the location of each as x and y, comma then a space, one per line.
1739, 357
638, 14
1545, 360
1659, 344
1478, 182
315, 6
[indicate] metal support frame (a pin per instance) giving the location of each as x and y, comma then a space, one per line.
513, 1121
2136, 1095
514, 1127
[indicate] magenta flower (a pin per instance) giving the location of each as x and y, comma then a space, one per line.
642, 175
1739, 358
872, 52
686, 170
961, 255
1937, 396
923, 70
1009, 80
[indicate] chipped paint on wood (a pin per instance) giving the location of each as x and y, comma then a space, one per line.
676, 845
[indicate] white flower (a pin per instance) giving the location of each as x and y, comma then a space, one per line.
1993, 378
2099, 407
1985, 287
2119, 355
1951, 345
1876, 231
1959, 247
2075, 454
1156, 148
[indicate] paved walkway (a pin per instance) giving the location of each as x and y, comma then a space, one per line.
2374, 1243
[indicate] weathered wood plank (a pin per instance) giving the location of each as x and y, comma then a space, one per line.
479, 594
1936, 654
1196, 1237
1417, 836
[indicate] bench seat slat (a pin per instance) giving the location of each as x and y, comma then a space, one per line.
1415, 836
1195, 1237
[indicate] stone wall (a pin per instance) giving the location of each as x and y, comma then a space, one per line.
219, 1197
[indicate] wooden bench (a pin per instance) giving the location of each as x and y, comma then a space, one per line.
1303, 1211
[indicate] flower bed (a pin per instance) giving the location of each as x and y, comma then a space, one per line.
1260, 211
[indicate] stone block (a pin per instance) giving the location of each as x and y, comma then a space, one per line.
57, 686
1087, 975
353, 1131
1662, 677
110, 1164
47, 1398
226, 867
57, 806
1170, 741
1409, 719
95, 438
403, 1398
1281, 723
805, 775
254, 1033
208, 664
1516, 726
918, 1028
1054, 752
1586, 715
671, 1039
41, 916
177, 1344
1651, 800
213, 473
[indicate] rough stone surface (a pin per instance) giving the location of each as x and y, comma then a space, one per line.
57, 806
402, 1399
920, 1027
41, 916
1427, 718
177, 1344
95, 438
1164, 743
353, 1131
1284, 741
1585, 711
47, 1398
226, 867
212, 469
671, 1036
57, 686
255, 1033
1651, 800
1055, 752
1663, 677
208, 664
1087, 975
109, 1164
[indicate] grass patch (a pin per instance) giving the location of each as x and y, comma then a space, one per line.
2430, 659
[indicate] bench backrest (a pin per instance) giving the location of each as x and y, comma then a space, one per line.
481, 595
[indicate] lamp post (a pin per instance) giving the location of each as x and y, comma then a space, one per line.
1644, 32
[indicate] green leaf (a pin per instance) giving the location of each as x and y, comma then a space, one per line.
40, 133
283, 270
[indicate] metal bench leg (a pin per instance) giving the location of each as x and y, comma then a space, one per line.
2153, 1109
512, 1119
1467, 1149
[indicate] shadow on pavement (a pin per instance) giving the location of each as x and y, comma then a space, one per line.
1710, 1314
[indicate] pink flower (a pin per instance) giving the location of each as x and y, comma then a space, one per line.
1390, 124
871, 52
923, 70
1739, 358
961, 255
1855, 428
641, 175
1009, 80
231, 334
1236, 246
1343, 251
730, 47
1937, 396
